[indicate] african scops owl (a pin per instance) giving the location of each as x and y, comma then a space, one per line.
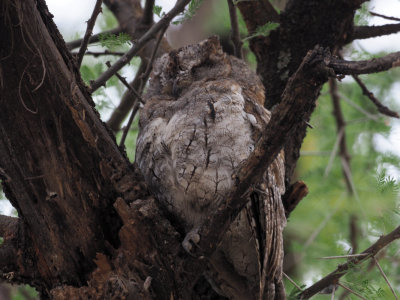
203, 115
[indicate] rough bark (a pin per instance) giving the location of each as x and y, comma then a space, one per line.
62, 170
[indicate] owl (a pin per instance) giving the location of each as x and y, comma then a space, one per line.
203, 116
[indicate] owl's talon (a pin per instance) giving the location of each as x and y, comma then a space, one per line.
191, 238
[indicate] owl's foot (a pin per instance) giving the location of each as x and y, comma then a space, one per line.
191, 238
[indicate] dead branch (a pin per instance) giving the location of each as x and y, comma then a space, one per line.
293, 196
344, 67
342, 269
366, 32
89, 31
235, 35
164, 22
381, 108
93, 39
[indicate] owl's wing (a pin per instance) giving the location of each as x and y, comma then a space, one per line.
248, 262
270, 226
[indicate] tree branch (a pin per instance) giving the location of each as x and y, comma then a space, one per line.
89, 31
342, 269
381, 108
147, 18
126, 84
384, 17
179, 6
235, 35
366, 32
341, 128
128, 100
105, 52
375, 65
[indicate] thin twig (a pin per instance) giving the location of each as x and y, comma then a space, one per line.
317, 231
381, 108
89, 31
128, 100
292, 281
124, 82
347, 171
385, 277
359, 108
343, 256
333, 153
93, 39
130, 121
179, 6
315, 153
235, 35
105, 52
384, 17
333, 292
351, 291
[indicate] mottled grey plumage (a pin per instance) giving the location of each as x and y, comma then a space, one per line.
203, 114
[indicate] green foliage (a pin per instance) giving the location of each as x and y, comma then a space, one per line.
189, 12
158, 11
387, 183
263, 30
320, 225
24, 292
362, 15
111, 41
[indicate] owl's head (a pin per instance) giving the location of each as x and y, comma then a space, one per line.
174, 72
